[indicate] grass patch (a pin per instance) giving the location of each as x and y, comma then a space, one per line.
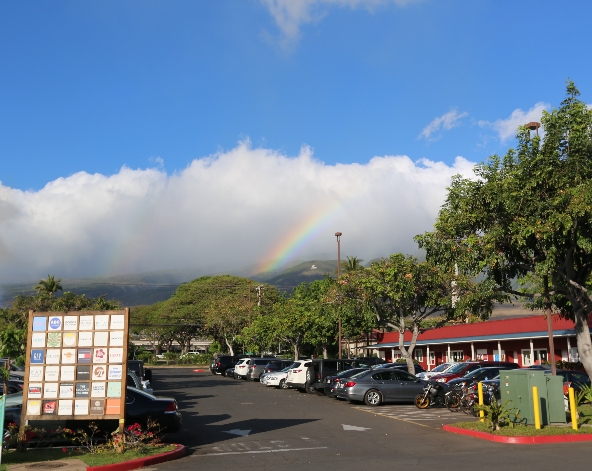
585, 411
99, 459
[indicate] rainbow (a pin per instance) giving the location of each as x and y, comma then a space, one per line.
299, 236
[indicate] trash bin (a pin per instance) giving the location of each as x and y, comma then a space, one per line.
516, 386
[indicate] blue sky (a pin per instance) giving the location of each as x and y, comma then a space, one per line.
96, 85
91, 87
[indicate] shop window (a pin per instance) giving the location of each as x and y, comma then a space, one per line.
432, 358
418, 354
573, 354
457, 355
482, 354
496, 355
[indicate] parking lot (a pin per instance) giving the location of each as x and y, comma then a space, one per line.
230, 424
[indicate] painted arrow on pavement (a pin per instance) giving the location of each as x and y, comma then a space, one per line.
354, 428
239, 432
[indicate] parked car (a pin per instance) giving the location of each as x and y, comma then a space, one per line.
330, 367
145, 374
15, 370
240, 369
573, 379
219, 364
140, 406
382, 386
403, 366
463, 368
15, 385
256, 367
135, 382
229, 373
277, 365
481, 374
442, 368
334, 384
301, 375
276, 378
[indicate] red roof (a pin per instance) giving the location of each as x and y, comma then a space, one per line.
493, 327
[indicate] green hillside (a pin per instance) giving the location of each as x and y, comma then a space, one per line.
303, 272
151, 287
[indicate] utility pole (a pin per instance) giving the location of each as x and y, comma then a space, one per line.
338, 235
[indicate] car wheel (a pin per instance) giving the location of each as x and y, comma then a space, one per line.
309, 388
260, 377
373, 398
283, 384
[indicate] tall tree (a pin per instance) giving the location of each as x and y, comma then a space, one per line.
529, 214
49, 286
352, 264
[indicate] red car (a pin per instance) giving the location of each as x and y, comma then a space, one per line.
461, 369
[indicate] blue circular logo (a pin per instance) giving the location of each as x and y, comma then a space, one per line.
55, 323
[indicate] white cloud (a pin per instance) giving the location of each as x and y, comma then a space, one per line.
226, 211
447, 121
507, 128
290, 15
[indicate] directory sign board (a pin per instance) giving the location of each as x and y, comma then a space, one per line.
76, 365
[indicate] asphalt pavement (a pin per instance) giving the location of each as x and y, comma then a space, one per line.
230, 424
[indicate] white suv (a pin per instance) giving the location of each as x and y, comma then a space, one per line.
300, 375
241, 368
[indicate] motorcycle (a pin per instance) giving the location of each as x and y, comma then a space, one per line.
434, 394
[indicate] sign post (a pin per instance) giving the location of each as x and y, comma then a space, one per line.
76, 366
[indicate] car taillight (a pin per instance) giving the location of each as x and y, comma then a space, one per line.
296, 371
172, 407
252, 366
219, 364
349, 384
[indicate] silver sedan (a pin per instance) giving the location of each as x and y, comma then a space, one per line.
377, 387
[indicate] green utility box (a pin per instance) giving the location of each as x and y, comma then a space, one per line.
516, 386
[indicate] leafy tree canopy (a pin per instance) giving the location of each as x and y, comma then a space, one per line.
528, 215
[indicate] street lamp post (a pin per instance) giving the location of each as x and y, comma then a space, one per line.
338, 235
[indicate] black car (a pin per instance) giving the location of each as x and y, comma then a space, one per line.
139, 407
219, 364
137, 366
334, 384
482, 374
330, 367
14, 386
15, 370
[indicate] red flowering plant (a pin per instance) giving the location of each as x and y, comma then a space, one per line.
136, 437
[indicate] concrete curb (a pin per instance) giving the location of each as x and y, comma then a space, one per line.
178, 452
584, 437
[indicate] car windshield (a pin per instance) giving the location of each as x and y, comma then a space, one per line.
457, 368
361, 374
442, 368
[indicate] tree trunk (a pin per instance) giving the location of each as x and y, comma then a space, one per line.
583, 340
229, 345
295, 351
408, 352
325, 353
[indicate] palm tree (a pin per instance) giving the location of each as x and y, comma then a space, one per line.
49, 286
353, 264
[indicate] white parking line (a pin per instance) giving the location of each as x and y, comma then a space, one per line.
261, 451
